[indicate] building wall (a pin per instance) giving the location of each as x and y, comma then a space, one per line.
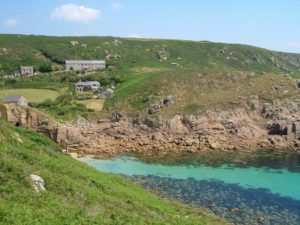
23, 102
81, 88
27, 71
86, 66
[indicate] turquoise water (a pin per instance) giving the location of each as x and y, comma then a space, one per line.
264, 189
277, 181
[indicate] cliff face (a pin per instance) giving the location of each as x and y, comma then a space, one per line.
254, 126
37, 121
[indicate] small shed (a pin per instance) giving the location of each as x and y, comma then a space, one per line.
20, 100
106, 93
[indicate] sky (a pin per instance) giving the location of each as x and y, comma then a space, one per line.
271, 24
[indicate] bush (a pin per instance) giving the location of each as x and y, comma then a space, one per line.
45, 68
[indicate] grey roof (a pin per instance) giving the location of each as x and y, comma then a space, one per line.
88, 83
85, 62
11, 98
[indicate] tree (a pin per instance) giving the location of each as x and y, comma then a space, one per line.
45, 68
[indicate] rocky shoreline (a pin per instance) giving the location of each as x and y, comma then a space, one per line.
253, 126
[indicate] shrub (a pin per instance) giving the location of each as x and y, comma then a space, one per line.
45, 68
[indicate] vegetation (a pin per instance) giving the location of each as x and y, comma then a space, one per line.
94, 104
76, 193
200, 75
45, 68
19, 50
33, 95
63, 108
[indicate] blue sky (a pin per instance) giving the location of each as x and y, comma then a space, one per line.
272, 24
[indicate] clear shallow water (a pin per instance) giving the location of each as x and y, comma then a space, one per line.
254, 193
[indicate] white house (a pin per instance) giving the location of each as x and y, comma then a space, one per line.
85, 65
93, 85
27, 71
20, 100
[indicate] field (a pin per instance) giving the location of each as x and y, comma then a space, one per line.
32, 95
95, 104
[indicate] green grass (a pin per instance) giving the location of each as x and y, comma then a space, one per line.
32, 95
76, 193
139, 72
19, 50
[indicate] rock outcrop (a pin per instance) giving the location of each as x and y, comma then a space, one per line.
251, 127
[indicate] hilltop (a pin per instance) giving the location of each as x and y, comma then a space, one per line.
16, 50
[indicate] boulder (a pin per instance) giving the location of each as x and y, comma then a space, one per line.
296, 130
169, 100
277, 128
254, 102
119, 116
38, 183
154, 108
154, 122
175, 126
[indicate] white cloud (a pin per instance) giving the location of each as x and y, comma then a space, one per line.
75, 13
135, 36
10, 22
116, 5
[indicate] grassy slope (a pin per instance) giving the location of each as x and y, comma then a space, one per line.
19, 49
227, 69
76, 193
195, 95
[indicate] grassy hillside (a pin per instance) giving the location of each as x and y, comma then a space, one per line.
195, 92
76, 193
16, 50
199, 75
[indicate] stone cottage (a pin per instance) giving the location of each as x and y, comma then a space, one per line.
27, 71
92, 85
85, 65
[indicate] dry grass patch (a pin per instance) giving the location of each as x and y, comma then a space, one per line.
147, 69
95, 104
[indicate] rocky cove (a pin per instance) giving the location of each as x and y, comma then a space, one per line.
251, 126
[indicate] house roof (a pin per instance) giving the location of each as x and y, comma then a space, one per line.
26, 67
11, 98
88, 83
85, 62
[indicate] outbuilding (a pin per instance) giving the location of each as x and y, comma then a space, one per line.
20, 100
